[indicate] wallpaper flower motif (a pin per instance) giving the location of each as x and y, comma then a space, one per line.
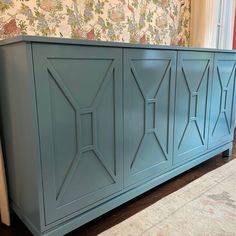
136, 21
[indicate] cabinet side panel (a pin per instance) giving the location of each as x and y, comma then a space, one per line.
19, 130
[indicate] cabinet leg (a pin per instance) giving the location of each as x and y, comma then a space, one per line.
228, 152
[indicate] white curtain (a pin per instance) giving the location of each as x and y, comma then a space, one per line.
211, 23
203, 23
227, 24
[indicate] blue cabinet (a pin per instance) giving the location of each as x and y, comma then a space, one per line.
87, 126
222, 115
192, 103
148, 103
79, 102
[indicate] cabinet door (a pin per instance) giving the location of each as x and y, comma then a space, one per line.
79, 100
222, 116
148, 112
194, 72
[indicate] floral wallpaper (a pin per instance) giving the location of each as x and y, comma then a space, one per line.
136, 21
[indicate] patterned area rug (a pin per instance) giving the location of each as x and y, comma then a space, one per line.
205, 207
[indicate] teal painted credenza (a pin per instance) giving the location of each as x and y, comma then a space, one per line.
87, 126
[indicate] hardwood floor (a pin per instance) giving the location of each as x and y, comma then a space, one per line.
128, 209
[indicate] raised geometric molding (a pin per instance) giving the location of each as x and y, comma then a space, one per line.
87, 129
222, 100
151, 110
88, 75
195, 74
148, 108
154, 157
106, 108
149, 87
135, 105
196, 84
150, 72
87, 179
185, 146
225, 78
86, 120
64, 131
162, 123
225, 69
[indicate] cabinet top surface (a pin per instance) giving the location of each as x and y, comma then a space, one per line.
67, 41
